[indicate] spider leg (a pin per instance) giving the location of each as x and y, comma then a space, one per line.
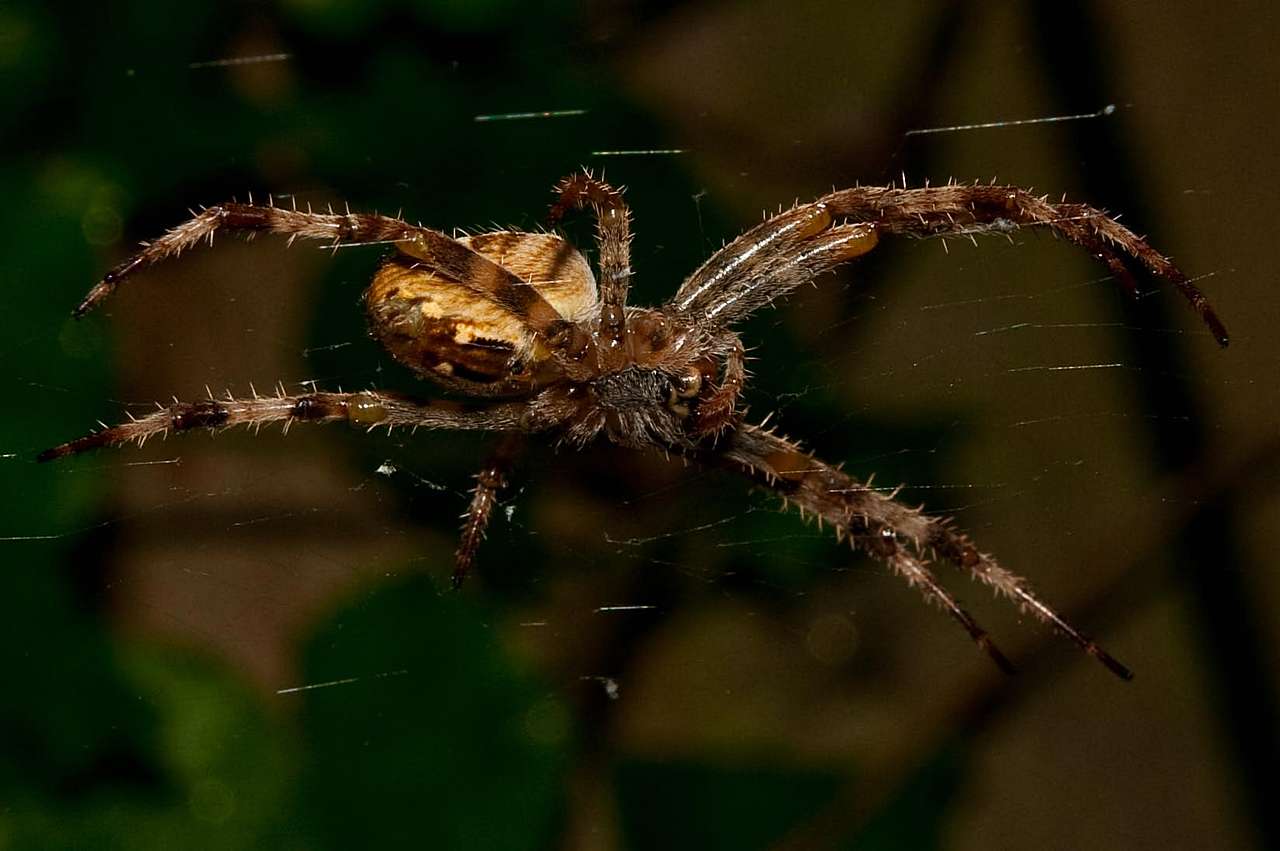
368, 410
883, 527
956, 208
613, 236
725, 274
919, 576
772, 258
735, 291
956, 548
491, 479
435, 250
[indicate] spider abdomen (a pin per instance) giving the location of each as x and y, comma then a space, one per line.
443, 331
454, 332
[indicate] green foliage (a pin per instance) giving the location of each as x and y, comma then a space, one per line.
710, 806
438, 742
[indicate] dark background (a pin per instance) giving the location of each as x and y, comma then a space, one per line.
247, 641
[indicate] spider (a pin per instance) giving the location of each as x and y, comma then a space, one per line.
516, 322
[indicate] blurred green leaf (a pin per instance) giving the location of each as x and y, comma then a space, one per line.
211, 771
705, 806
421, 732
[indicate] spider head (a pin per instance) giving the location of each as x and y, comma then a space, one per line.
668, 378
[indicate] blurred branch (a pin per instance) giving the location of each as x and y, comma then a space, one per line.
1070, 38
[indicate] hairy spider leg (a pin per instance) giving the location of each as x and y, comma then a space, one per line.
613, 238
493, 477
433, 249
723, 271
880, 525
769, 260
730, 297
974, 208
367, 410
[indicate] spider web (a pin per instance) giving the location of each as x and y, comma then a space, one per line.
1003, 384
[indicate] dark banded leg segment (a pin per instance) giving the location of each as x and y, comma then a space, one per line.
917, 575
435, 250
493, 477
957, 549
885, 528
366, 410
975, 208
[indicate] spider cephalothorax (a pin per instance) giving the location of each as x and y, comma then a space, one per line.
518, 322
